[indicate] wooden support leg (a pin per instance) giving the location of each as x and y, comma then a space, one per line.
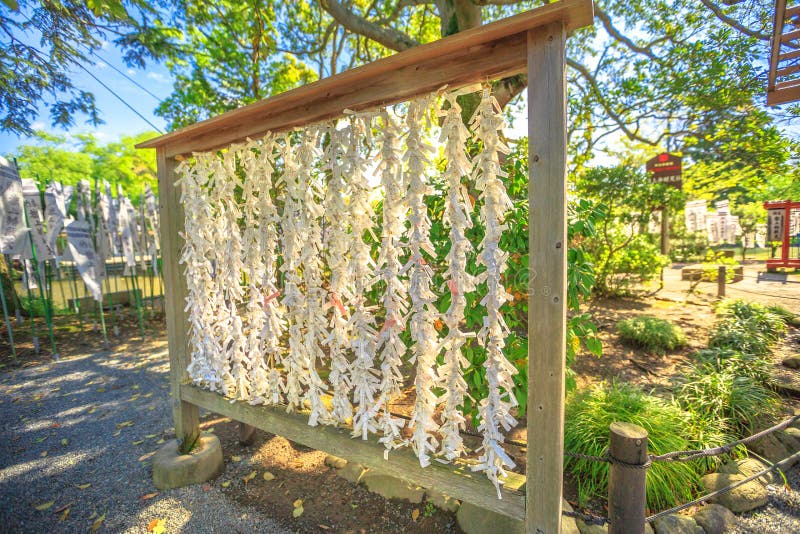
547, 278
247, 434
187, 417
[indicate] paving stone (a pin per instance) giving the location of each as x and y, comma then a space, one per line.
715, 519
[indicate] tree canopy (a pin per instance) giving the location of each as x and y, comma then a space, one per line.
69, 160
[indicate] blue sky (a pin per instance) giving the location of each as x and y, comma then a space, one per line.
119, 120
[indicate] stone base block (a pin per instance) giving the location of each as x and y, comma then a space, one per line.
171, 469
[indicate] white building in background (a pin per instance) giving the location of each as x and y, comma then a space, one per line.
720, 226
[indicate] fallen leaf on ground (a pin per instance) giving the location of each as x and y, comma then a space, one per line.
40, 439
297, 503
97, 523
151, 436
62, 508
324, 527
154, 524
236, 458
117, 433
135, 386
415, 514
101, 390
147, 496
43, 454
297, 512
249, 477
207, 487
83, 486
44, 506
144, 457
268, 476
65, 442
124, 424
64, 515
137, 442
92, 409
226, 484
159, 442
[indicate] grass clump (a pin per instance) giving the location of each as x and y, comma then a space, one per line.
740, 402
652, 334
747, 327
737, 362
670, 428
789, 317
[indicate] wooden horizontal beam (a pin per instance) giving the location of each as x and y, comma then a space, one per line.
480, 54
790, 36
786, 71
789, 55
457, 481
783, 95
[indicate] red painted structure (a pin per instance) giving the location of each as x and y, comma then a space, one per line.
784, 261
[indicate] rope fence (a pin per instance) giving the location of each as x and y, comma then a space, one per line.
684, 456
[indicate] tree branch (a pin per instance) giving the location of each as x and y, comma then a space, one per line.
355, 23
733, 22
616, 34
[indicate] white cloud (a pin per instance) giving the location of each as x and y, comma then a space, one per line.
131, 72
157, 76
38, 125
101, 65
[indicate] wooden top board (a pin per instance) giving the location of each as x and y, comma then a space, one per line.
480, 54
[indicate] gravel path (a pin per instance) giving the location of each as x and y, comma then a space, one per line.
79, 433
781, 515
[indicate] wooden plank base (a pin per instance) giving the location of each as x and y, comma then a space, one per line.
457, 481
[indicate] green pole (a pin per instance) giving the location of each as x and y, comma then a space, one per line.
34, 333
47, 311
8, 323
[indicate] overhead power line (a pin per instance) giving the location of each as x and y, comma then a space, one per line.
134, 82
87, 71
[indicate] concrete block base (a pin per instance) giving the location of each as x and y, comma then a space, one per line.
171, 469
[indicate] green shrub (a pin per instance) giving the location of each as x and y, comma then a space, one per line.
588, 415
789, 317
737, 362
714, 394
653, 334
747, 327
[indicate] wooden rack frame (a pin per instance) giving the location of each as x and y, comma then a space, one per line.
532, 43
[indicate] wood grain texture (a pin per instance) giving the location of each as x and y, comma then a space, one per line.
186, 415
547, 291
485, 53
627, 497
457, 481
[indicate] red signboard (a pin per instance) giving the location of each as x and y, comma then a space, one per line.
665, 169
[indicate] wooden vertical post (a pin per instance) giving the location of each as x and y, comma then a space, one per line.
547, 294
187, 420
627, 492
721, 275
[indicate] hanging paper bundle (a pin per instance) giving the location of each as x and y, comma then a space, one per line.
423, 301
363, 375
390, 346
315, 325
457, 209
197, 250
337, 245
254, 267
495, 409
228, 275
294, 236
267, 380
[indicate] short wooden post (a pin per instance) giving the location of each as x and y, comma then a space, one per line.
627, 494
721, 275
187, 420
547, 287
247, 434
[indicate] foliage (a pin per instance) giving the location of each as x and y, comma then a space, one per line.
234, 59
788, 316
70, 160
686, 246
720, 394
651, 333
43, 41
623, 254
737, 362
748, 327
589, 413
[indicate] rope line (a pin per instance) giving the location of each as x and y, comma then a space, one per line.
726, 489
589, 519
